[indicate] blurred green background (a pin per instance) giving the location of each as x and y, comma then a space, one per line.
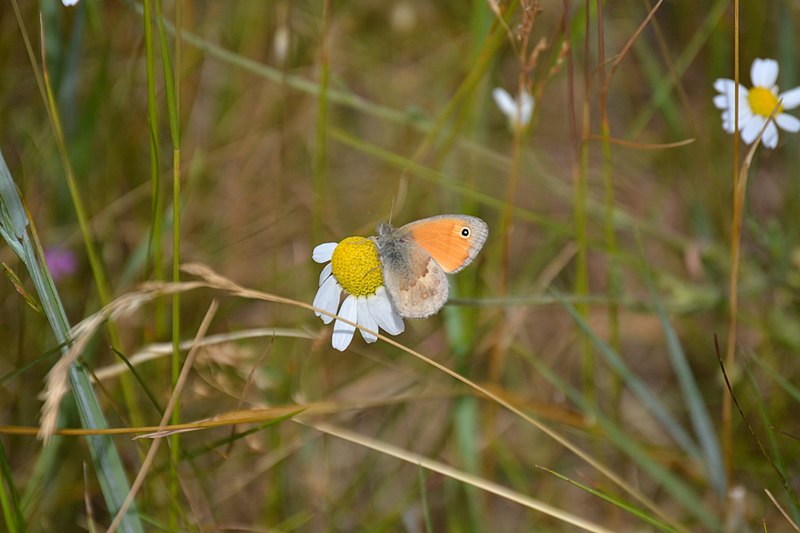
594, 307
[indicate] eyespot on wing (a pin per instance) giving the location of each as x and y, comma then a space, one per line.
452, 240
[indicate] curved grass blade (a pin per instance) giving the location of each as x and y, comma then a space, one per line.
613, 500
701, 420
676, 487
637, 386
14, 225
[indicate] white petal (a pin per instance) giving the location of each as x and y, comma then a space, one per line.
324, 252
327, 298
791, 98
764, 73
721, 101
727, 119
724, 85
343, 333
770, 137
365, 319
727, 122
751, 129
788, 122
69, 2
382, 311
504, 101
326, 271
525, 108
727, 96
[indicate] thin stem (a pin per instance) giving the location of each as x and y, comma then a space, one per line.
321, 152
580, 192
736, 234
613, 280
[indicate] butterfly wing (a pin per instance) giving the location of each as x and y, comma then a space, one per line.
416, 284
452, 240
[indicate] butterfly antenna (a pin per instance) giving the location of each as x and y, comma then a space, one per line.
391, 211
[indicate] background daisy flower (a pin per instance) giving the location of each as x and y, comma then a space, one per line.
518, 110
353, 267
757, 104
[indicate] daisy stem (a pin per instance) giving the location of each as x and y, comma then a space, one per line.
507, 222
508, 213
736, 232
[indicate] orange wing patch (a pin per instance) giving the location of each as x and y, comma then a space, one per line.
442, 239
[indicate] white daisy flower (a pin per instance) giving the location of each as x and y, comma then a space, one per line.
354, 268
518, 110
69, 2
757, 104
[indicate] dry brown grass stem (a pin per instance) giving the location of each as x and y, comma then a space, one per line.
782, 511
617, 60
163, 349
260, 415
640, 145
173, 401
454, 473
739, 193
57, 382
216, 281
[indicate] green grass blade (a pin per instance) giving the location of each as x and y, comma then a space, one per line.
636, 385
9, 497
701, 420
625, 506
172, 85
108, 466
676, 487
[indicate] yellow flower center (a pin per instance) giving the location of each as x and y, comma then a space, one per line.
763, 101
356, 266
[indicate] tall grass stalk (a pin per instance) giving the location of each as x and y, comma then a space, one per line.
155, 244
172, 86
579, 214
739, 190
95, 262
613, 275
112, 476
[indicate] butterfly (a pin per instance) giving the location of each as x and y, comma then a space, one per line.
415, 259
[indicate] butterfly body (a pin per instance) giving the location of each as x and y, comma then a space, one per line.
416, 258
